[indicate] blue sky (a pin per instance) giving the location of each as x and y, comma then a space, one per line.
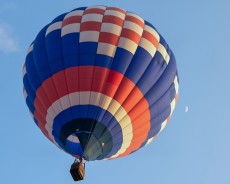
194, 148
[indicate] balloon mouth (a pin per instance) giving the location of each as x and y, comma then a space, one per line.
91, 136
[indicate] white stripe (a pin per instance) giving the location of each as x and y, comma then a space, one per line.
150, 140
94, 17
53, 27
152, 31
65, 102
25, 93
84, 97
106, 49
127, 44
98, 7
148, 46
49, 129
95, 98
31, 114
70, 28
111, 28
125, 123
30, 49
74, 13
115, 13
89, 36
172, 104
74, 99
51, 112
133, 27
23, 71
163, 125
163, 52
176, 84
57, 106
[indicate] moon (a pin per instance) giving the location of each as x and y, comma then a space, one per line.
186, 109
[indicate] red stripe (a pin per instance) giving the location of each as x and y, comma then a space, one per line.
41, 124
90, 26
148, 36
113, 20
135, 20
72, 20
50, 90
117, 86
41, 95
41, 107
60, 84
116, 9
108, 38
94, 10
132, 35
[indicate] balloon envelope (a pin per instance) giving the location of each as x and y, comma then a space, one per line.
100, 82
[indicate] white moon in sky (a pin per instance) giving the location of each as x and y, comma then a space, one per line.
186, 109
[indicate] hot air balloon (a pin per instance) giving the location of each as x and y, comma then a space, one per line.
100, 83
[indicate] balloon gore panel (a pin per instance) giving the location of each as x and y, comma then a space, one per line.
100, 82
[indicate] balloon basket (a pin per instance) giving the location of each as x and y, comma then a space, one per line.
77, 171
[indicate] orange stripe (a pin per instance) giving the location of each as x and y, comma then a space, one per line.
108, 38
134, 97
132, 35
113, 20
135, 20
148, 36
177, 97
168, 119
114, 78
71, 20
90, 26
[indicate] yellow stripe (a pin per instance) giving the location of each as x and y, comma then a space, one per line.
148, 46
133, 27
127, 44
164, 53
106, 49
111, 28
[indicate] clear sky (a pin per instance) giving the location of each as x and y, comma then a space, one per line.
194, 147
